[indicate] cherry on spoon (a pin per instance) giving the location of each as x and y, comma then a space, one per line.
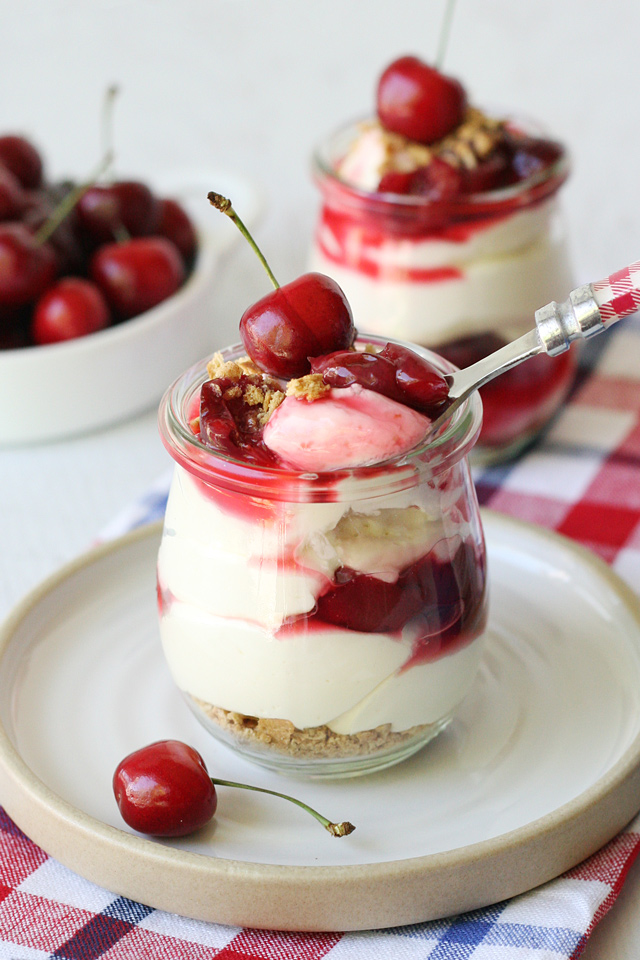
589, 310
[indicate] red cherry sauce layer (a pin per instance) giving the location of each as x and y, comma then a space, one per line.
520, 401
442, 602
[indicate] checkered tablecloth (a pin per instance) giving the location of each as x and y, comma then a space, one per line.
581, 479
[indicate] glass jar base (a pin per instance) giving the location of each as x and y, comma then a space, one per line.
317, 758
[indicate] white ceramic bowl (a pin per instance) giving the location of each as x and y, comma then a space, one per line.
54, 391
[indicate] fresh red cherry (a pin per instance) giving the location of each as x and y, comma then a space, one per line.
175, 224
137, 274
27, 267
305, 318
418, 101
23, 160
71, 308
65, 238
13, 200
117, 210
164, 789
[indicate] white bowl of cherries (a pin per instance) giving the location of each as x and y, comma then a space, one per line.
98, 314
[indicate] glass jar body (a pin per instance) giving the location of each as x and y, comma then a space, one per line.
462, 278
323, 625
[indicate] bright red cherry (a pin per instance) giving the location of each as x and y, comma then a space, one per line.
137, 274
175, 224
23, 160
71, 308
113, 211
418, 101
305, 318
164, 789
27, 267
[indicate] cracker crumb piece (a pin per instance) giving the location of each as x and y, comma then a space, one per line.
218, 367
311, 387
272, 734
472, 141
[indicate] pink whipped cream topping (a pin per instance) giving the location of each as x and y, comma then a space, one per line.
350, 427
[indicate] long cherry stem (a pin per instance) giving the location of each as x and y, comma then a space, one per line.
68, 202
224, 206
335, 829
445, 30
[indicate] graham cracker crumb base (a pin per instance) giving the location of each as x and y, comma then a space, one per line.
313, 742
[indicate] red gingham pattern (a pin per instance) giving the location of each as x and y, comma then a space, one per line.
582, 479
619, 295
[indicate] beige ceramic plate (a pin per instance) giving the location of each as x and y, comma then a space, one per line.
539, 769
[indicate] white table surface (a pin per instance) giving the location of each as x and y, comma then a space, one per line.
249, 86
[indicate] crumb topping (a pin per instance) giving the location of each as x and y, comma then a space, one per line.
311, 387
465, 147
219, 368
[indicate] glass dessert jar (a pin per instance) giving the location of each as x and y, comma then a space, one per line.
462, 275
323, 624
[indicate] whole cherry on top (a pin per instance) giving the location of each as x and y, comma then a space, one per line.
418, 101
305, 318
164, 789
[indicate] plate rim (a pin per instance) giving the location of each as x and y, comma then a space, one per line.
36, 809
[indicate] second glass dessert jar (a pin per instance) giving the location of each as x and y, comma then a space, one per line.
321, 624
462, 276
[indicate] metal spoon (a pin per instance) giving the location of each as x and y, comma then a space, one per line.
589, 310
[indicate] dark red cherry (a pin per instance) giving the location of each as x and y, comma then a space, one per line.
175, 224
137, 274
106, 210
13, 199
71, 308
23, 160
305, 318
395, 181
490, 174
419, 102
164, 789
27, 268
438, 181
396, 372
530, 155
231, 426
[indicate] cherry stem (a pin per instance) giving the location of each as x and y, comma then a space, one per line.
445, 30
68, 202
335, 829
224, 206
107, 119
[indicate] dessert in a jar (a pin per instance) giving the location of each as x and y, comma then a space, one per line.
441, 223
321, 577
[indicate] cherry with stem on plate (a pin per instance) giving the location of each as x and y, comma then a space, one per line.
164, 789
305, 318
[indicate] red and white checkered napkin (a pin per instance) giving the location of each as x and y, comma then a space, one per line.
583, 480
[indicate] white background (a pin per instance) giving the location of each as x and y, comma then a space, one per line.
250, 86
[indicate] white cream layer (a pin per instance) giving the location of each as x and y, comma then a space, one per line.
504, 273
229, 594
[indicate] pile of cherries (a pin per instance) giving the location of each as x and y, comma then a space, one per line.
424, 105
119, 251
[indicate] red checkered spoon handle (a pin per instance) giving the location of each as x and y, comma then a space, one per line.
589, 309
619, 294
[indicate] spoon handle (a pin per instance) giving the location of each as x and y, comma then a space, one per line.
589, 309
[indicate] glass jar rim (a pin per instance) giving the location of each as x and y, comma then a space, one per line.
540, 185
451, 443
